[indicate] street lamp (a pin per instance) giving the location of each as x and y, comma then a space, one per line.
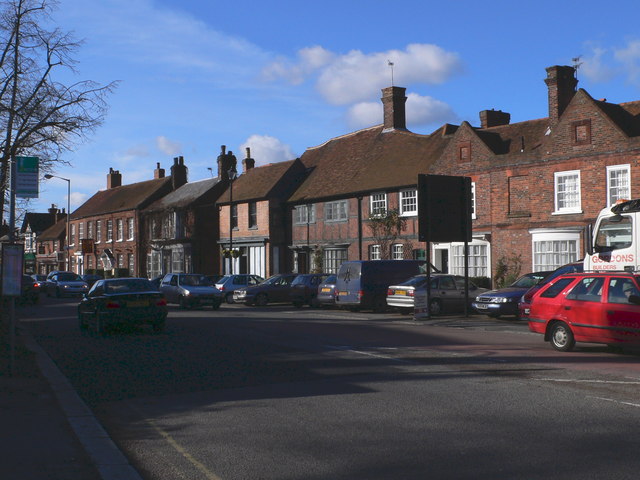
233, 174
48, 177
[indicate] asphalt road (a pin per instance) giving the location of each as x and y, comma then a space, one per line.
282, 393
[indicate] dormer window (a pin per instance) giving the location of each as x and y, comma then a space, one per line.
582, 132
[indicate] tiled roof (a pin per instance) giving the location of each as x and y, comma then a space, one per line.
54, 232
368, 160
38, 222
126, 197
185, 195
514, 138
258, 183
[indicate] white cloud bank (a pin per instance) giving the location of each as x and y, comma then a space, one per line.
604, 64
264, 150
356, 76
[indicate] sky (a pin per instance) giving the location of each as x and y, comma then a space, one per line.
282, 76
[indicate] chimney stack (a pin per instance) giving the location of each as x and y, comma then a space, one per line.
226, 161
53, 210
248, 163
158, 172
561, 83
178, 173
494, 118
393, 100
114, 179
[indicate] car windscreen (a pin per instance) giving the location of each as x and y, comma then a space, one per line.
69, 277
195, 281
526, 281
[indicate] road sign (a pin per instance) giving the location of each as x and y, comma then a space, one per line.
26, 177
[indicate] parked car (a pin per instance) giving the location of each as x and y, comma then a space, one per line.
190, 290
362, 284
91, 278
29, 291
447, 293
228, 283
525, 302
304, 289
40, 279
62, 284
156, 281
327, 291
504, 301
588, 307
130, 301
275, 289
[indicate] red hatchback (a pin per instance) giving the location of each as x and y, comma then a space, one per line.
588, 307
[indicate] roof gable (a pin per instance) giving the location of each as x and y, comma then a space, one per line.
187, 195
126, 197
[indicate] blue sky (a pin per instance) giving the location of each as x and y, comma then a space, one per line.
280, 77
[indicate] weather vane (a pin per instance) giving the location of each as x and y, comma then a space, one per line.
390, 63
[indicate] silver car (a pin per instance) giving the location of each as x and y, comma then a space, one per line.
190, 290
447, 293
63, 284
228, 283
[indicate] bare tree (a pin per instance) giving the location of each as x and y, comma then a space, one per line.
385, 228
40, 115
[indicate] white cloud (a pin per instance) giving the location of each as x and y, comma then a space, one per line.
629, 56
596, 67
264, 150
356, 76
167, 146
420, 110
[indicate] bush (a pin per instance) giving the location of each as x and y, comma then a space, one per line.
482, 282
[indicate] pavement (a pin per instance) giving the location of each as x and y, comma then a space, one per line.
46, 429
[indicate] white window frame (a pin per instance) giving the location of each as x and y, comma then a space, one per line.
130, 228
378, 203
397, 251
574, 206
618, 192
72, 235
109, 230
301, 212
479, 262
333, 258
337, 211
473, 200
374, 252
408, 202
119, 230
565, 248
98, 231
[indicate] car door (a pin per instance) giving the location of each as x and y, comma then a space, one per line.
622, 316
584, 309
169, 287
448, 294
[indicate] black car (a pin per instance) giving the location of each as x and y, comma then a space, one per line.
304, 289
122, 301
504, 301
30, 291
275, 289
91, 278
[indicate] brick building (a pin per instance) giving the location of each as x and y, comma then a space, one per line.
182, 228
535, 184
33, 225
51, 252
105, 231
255, 231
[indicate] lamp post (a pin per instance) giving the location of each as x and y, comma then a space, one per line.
233, 174
48, 177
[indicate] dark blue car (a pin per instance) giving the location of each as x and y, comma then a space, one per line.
504, 301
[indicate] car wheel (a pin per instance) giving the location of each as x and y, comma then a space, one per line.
561, 337
58, 293
182, 303
261, 300
216, 305
435, 307
82, 322
229, 298
493, 315
380, 305
297, 304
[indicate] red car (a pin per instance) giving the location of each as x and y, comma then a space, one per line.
588, 307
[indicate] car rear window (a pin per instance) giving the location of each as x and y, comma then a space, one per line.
554, 290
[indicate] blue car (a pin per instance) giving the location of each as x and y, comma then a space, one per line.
504, 301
